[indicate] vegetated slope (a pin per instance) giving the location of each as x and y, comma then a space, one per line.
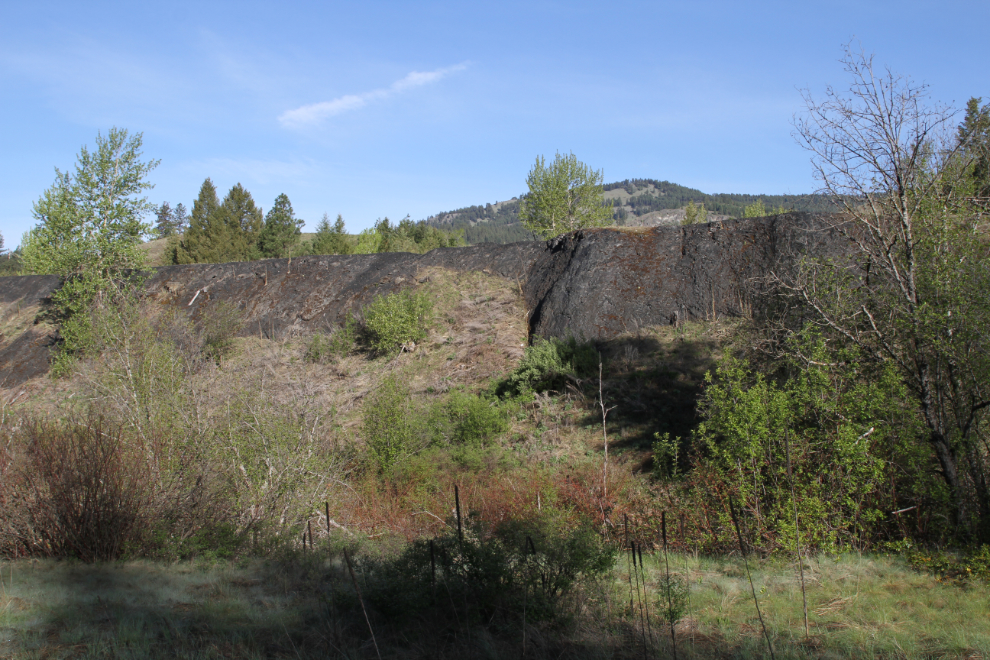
637, 203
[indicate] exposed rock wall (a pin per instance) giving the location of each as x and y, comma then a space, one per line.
592, 284
598, 283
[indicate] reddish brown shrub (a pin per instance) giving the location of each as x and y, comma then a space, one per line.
76, 489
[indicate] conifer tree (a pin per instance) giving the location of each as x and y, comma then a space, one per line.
974, 146
282, 230
694, 215
331, 240
208, 235
244, 225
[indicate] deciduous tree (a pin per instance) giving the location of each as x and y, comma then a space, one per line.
913, 291
90, 221
563, 196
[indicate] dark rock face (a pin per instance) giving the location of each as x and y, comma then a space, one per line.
592, 284
24, 355
597, 283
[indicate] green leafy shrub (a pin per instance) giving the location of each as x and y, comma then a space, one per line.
220, 324
468, 419
548, 365
73, 306
953, 568
495, 569
835, 421
666, 456
672, 597
396, 319
388, 427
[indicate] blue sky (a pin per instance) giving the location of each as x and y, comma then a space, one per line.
373, 109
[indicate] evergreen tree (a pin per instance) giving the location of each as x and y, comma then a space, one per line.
208, 235
331, 240
974, 144
169, 221
694, 215
244, 225
163, 221
281, 231
180, 219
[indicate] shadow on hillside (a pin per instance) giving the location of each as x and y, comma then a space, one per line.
653, 387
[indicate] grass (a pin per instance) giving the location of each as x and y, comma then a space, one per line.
861, 606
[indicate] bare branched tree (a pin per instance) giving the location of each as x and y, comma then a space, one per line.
912, 292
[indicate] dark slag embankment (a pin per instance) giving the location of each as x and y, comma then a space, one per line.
592, 284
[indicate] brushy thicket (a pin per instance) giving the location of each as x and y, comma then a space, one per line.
836, 441
394, 425
170, 459
204, 465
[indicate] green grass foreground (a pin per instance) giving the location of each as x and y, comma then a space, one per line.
302, 607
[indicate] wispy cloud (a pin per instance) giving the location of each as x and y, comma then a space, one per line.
314, 113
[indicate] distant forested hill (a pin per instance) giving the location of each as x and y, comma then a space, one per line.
633, 200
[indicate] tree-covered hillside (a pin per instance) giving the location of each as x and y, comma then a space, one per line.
631, 199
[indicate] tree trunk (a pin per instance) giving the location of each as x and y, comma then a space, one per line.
947, 461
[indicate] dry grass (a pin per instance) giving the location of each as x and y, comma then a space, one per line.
154, 251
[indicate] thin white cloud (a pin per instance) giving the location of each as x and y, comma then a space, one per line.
314, 113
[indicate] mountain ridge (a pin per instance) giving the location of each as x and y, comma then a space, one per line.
637, 203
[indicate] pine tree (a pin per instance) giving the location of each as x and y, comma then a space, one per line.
974, 143
208, 234
163, 221
244, 225
179, 218
694, 215
331, 240
282, 230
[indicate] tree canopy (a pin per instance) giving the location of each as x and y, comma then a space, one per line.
563, 196
90, 221
913, 293
220, 232
282, 230
331, 239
